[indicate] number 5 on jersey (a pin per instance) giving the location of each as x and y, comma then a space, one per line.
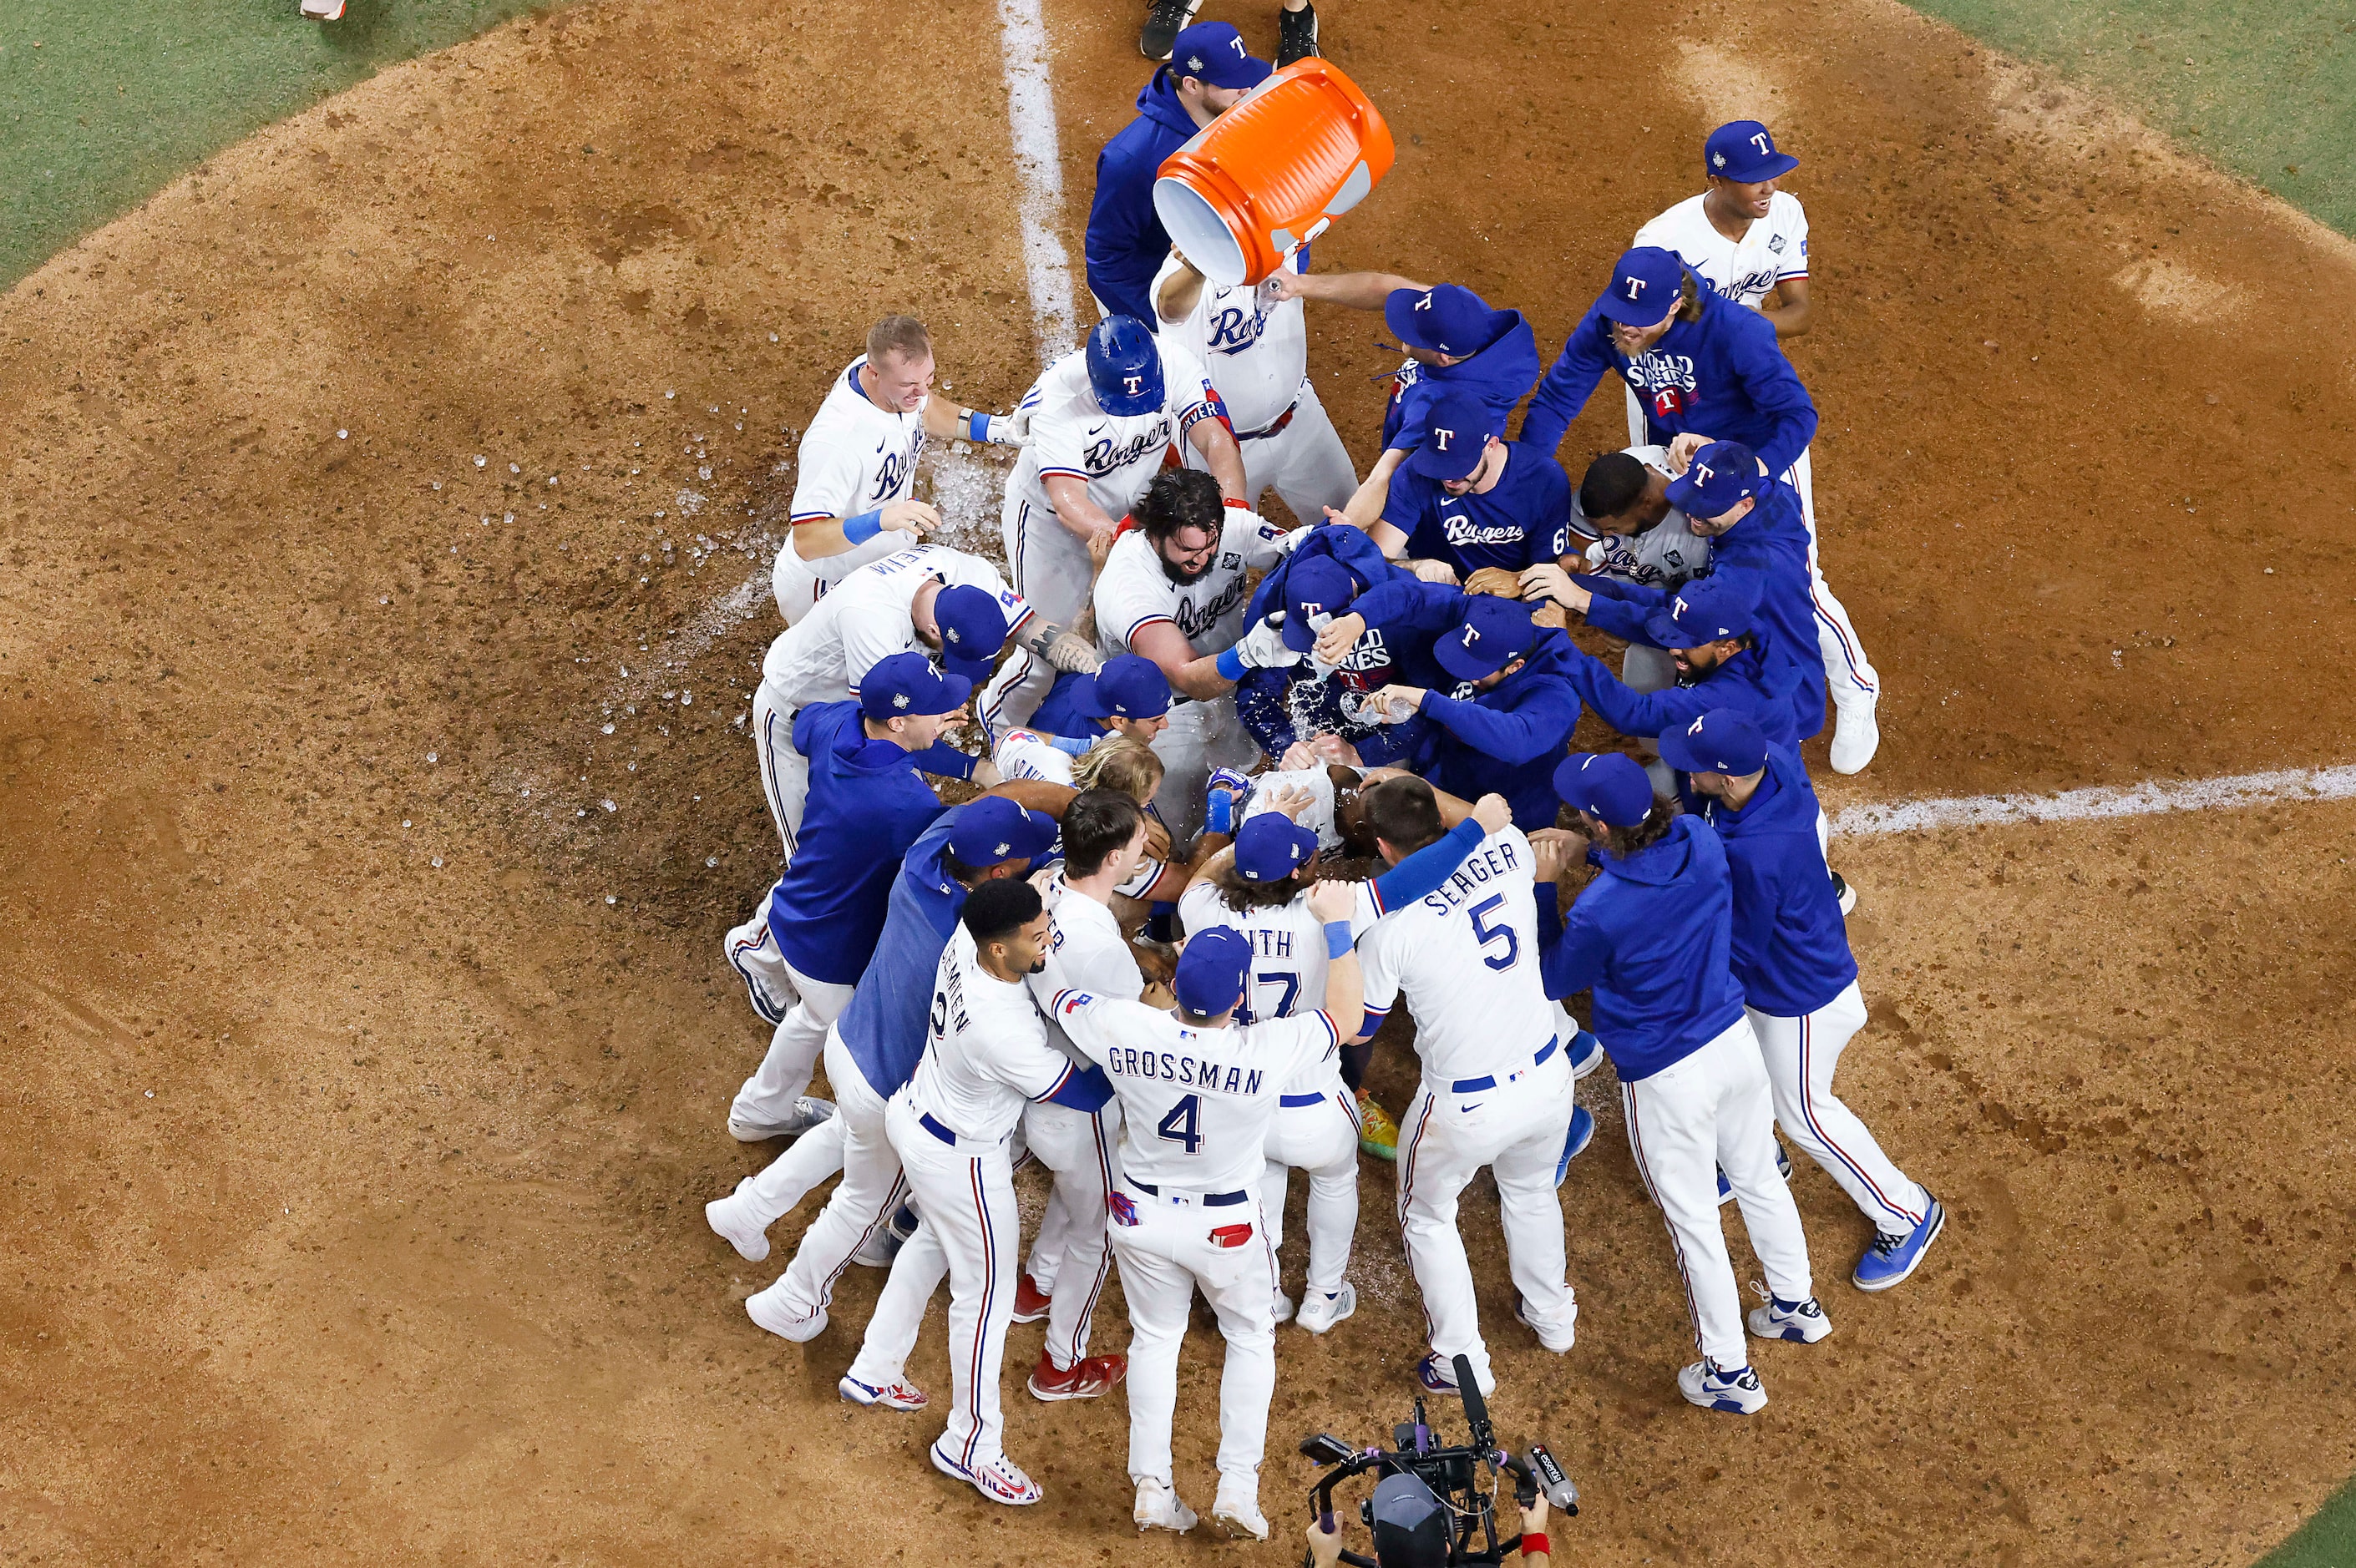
1488, 934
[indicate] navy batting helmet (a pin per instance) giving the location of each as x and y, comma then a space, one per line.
1124, 366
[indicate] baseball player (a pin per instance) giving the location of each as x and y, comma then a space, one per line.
868, 801
855, 472
1097, 423
986, 1055
1791, 958
1253, 342
1622, 509
1710, 630
1172, 589
1708, 369
1465, 502
1208, 74
1314, 582
1129, 696
871, 1049
1296, 29
1197, 1091
1496, 1084
1651, 934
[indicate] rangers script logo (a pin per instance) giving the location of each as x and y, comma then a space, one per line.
1106, 455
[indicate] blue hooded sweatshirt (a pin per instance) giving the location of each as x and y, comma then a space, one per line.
1790, 953
1267, 699
866, 807
1722, 376
1126, 243
1771, 544
1499, 375
1523, 521
1651, 936
1761, 683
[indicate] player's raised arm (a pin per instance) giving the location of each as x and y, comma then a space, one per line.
1346, 994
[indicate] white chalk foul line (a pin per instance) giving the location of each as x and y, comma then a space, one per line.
1038, 164
2292, 786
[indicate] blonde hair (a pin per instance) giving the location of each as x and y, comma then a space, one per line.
1120, 762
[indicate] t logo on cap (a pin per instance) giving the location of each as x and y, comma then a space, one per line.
1425, 303
1758, 139
1133, 383
1680, 611
1694, 727
1635, 285
1703, 473
1442, 437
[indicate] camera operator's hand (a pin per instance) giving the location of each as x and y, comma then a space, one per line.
1325, 1546
1534, 1523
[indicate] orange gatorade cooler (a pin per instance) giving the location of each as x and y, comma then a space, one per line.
1294, 153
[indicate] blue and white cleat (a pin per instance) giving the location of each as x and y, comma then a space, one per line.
1802, 1322
1586, 1054
1890, 1259
1582, 1133
1737, 1392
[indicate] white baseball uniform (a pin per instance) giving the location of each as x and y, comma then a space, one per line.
1133, 593
1067, 434
1318, 818
1256, 355
1669, 554
986, 1054
1316, 1124
1195, 1107
855, 457
1771, 250
823, 657
1086, 951
1497, 1090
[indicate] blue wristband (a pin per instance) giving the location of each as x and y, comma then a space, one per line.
1230, 664
977, 425
1219, 814
862, 527
1337, 939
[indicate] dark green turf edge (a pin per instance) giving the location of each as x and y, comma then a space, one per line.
2326, 1541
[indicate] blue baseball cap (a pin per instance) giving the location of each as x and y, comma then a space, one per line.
973, 627
994, 828
1456, 430
1129, 686
1643, 287
1271, 847
1496, 632
1446, 319
1718, 480
1721, 742
904, 686
1210, 971
1706, 611
1605, 785
1743, 151
1318, 586
1214, 52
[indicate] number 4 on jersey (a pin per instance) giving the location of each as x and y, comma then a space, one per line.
1183, 1124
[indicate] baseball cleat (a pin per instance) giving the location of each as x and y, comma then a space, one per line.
878, 1250
1889, 1259
1802, 1322
1844, 893
1435, 1374
1296, 36
1030, 1303
1320, 1311
729, 1222
1159, 1508
322, 10
1737, 1392
1163, 24
1581, 1134
753, 953
1856, 735
1568, 1333
1237, 1511
1377, 1134
1280, 1310
1000, 1480
1087, 1377
770, 1310
1586, 1054
1782, 1168
891, 1396
807, 1112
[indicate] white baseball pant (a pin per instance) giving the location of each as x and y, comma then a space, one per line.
796, 584
1202, 735
784, 1074
779, 1187
863, 1202
1175, 1244
1801, 1055
1318, 1134
965, 1189
1052, 570
1708, 1112
918, 1270
1848, 674
1083, 1151
1305, 462
785, 771
1516, 1129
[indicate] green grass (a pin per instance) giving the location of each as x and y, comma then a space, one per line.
2265, 89
2327, 1541
101, 105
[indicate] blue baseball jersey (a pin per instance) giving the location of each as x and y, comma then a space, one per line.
883, 1027
1125, 244
1507, 739
1764, 684
1058, 712
1790, 953
1723, 376
1523, 520
1499, 375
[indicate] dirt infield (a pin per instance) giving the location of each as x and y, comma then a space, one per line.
368, 1041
